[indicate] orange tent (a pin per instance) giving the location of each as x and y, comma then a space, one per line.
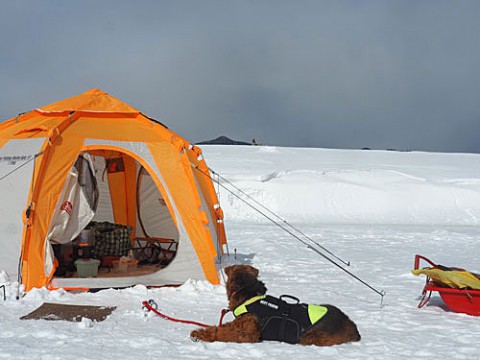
147, 179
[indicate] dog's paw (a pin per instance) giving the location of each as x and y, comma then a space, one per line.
202, 335
197, 335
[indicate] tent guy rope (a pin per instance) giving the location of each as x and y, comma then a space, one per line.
382, 293
347, 263
19, 166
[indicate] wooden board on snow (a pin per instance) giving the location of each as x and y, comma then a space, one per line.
74, 313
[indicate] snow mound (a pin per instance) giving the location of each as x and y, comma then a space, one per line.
348, 186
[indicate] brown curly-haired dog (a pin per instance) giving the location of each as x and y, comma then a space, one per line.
242, 285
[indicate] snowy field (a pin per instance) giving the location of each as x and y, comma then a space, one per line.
376, 209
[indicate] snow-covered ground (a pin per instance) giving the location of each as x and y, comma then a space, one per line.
376, 209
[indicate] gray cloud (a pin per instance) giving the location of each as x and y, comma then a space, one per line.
343, 74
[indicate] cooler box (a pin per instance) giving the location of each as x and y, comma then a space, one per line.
87, 267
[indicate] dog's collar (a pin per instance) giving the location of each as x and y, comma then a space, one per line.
242, 309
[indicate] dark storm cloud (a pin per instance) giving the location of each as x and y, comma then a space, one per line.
344, 74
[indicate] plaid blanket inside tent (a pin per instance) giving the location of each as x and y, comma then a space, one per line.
111, 239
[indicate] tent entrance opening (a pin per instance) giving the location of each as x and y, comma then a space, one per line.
112, 220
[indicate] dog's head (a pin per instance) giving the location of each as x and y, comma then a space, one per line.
242, 284
247, 269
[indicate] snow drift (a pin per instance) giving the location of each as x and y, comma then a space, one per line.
352, 186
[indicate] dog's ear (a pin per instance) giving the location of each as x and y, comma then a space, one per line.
229, 270
253, 270
248, 283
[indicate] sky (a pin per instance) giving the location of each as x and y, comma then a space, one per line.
399, 75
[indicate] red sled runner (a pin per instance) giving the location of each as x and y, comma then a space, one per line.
458, 288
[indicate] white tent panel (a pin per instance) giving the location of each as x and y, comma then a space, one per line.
154, 213
104, 208
17, 160
73, 213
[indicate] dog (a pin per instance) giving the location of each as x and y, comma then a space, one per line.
247, 299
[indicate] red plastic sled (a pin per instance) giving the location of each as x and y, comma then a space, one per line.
465, 301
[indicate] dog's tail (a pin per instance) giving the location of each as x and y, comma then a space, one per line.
339, 323
354, 334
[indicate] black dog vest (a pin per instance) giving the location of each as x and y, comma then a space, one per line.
281, 320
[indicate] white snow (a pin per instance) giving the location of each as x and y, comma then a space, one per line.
376, 209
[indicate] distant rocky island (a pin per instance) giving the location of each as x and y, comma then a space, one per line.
223, 140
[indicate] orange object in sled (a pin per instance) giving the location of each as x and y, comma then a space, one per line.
465, 300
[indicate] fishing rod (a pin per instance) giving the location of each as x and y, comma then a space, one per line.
382, 293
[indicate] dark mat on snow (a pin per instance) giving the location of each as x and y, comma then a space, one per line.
75, 313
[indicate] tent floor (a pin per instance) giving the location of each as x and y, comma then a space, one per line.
105, 272
158, 259
139, 270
